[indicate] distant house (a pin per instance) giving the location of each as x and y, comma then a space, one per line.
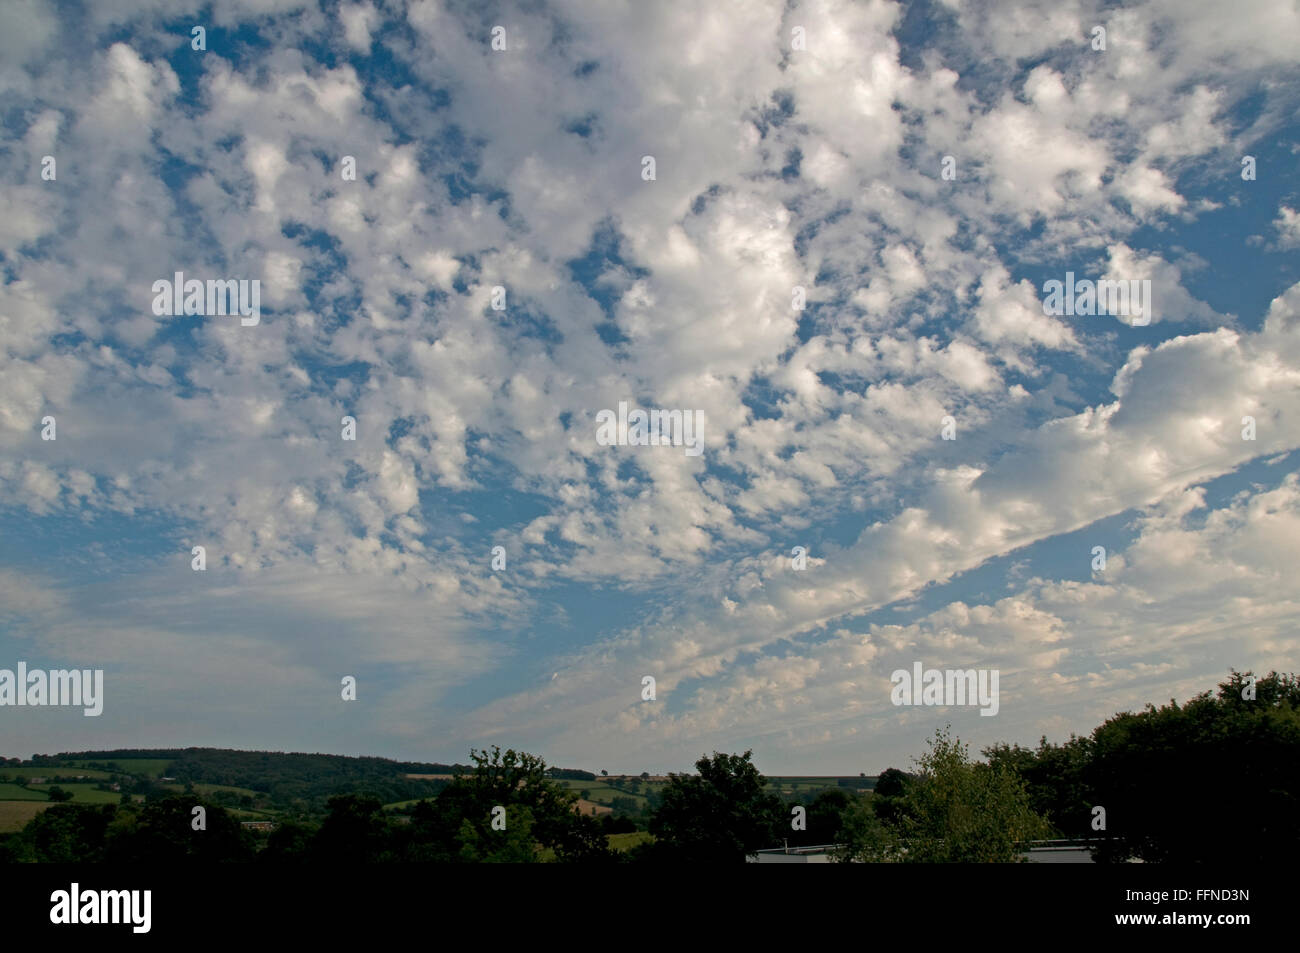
258, 825
36, 780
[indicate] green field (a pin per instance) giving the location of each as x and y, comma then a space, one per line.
52, 772
14, 815
86, 793
202, 787
400, 804
12, 792
141, 767
800, 785
628, 841
245, 814
601, 792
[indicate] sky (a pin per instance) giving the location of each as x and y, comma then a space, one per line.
947, 454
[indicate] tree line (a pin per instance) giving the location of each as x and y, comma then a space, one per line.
1214, 779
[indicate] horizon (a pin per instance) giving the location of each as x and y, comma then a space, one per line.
573, 767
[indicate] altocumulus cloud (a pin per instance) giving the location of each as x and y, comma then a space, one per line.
838, 263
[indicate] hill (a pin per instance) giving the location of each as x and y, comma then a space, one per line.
271, 778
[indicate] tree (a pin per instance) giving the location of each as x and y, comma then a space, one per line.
163, 832
1054, 779
863, 836
540, 820
61, 834
623, 805
887, 796
892, 783
616, 824
1140, 767
354, 832
959, 811
290, 843
58, 794
825, 818
604, 773
721, 814
1144, 767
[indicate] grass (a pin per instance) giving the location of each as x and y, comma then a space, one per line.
798, 788
14, 815
803, 785
400, 804
53, 772
12, 792
86, 793
202, 787
628, 841
247, 814
601, 792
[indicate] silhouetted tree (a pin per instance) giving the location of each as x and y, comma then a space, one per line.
724, 813
163, 833
354, 832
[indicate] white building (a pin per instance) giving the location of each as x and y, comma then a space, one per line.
819, 854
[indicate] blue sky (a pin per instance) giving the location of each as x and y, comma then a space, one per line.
780, 163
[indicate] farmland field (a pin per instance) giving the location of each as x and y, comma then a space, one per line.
202, 787
604, 790
52, 772
628, 841
600, 791
14, 815
801, 785
86, 793
12, 792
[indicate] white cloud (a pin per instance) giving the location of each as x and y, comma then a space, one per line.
1287, 225
471, 174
